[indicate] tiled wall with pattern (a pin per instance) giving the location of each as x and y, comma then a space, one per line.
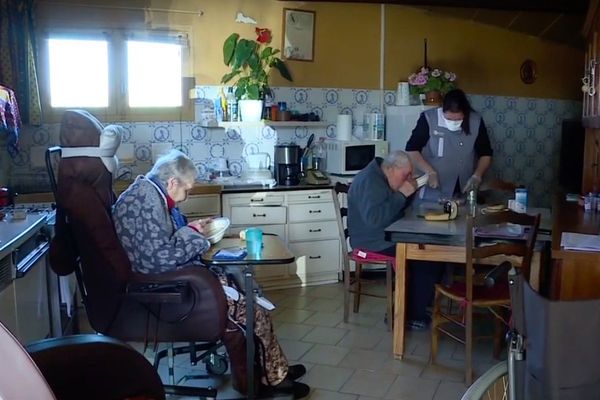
525, 134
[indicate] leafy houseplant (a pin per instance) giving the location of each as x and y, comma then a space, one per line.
429, 80
250, 62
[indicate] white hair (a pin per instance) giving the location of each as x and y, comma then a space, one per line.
396, 158
174, 164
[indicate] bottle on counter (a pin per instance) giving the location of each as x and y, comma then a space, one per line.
472, 202
232, 106
588, 201
223, 100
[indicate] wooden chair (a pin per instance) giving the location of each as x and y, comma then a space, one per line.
484, 246
360, 257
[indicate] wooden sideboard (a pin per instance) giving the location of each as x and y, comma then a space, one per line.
575, 274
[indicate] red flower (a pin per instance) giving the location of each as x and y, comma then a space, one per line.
264, 35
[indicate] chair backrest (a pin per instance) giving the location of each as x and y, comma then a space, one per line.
85, 237
341, 214
489, 235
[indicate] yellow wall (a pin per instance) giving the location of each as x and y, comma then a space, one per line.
347, 41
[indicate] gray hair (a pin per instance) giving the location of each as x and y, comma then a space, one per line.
396, 158
174, 164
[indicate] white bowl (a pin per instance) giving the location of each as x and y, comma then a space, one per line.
215, 229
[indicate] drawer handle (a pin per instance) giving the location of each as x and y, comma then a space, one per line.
259, 215
256, 200
314, 197
314, 211
314, 230
314, 257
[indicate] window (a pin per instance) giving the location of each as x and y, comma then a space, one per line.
154, 74
118, 74
81, 80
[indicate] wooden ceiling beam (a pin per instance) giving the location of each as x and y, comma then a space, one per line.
550, 6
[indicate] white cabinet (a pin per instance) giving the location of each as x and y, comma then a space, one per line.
304, 219
201, 205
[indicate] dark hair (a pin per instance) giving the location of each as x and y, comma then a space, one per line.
456, 101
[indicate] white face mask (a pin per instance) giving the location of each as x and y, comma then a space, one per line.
454, 125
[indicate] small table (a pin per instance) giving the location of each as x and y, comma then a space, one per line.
444, 241
274, 252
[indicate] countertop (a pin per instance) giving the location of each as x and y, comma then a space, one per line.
199, 188
14, 232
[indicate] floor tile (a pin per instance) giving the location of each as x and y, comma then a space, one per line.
325, 335
449, 390
446, 370
320, 394
288, 330
298, 302
410, 366
327, 377
294, 349
293, 315
325, 355
362, 339
365, 359
330, 319
369, 383
327, 291
325, 305
409, 388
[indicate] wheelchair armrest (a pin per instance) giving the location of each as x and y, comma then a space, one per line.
158, 292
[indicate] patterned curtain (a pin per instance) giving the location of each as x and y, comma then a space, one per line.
18, 56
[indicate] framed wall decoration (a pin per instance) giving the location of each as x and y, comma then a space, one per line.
298, 34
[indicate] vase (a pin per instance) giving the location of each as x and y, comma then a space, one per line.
251, 110
433, 98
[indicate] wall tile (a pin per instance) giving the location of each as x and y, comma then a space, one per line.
525, 135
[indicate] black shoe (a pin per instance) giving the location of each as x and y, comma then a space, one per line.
295, 371
287, 386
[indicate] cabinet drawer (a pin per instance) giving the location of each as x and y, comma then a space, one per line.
258, 215
311, 212
258, 198
313, 231
278, 230
310, 196
315, 257
197, 205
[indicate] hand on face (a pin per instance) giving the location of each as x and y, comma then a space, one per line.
408, 187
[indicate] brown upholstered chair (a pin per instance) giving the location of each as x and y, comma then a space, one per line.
483, 247
187, 305
90, 367
356, 286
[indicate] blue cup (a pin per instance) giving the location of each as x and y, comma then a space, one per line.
254, 240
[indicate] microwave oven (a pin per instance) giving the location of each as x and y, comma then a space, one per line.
349, 157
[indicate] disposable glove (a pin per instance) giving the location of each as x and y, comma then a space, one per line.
472, 183
433, 181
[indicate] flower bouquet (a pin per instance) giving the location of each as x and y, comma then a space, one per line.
429, 80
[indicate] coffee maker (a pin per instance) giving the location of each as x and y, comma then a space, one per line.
287, 164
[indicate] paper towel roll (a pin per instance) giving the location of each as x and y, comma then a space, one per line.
403, 94
344, 127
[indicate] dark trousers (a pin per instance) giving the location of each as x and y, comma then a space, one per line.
422, 277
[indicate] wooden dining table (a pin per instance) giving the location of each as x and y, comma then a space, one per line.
443, 241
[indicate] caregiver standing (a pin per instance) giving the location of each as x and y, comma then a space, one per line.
451, 145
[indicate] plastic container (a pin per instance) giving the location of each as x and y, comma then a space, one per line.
521, 200
588, 201
254, 240
472, 202
232, 106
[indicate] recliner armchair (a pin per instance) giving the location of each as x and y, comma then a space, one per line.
187, 305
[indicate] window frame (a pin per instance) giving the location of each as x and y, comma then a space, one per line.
118, 108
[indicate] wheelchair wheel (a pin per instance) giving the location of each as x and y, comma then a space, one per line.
493, 385
216, 364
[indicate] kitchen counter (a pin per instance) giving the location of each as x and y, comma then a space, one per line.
14, 232
278, 188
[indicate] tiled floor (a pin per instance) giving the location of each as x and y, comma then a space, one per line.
354, 360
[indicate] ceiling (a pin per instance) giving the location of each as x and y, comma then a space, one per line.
554, 20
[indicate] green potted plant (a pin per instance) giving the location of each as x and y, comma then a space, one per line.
250, 62
434, 83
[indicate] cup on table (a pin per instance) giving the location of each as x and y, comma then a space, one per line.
254, 240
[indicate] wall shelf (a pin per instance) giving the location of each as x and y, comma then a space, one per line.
275, 124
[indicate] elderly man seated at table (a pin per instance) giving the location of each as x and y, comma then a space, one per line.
377, 197
157, 238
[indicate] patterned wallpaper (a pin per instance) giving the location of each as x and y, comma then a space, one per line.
525, 134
